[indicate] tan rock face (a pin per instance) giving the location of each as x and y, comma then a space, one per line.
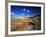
22, 24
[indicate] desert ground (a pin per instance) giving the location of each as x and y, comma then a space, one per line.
26, 24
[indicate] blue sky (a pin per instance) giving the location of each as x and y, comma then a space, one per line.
25, 11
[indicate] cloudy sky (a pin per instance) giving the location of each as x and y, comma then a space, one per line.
25, 11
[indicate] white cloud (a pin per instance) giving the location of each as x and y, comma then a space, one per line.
12, 13
24, 9
28, 11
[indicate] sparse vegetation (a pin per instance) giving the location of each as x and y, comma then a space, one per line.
21, 24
